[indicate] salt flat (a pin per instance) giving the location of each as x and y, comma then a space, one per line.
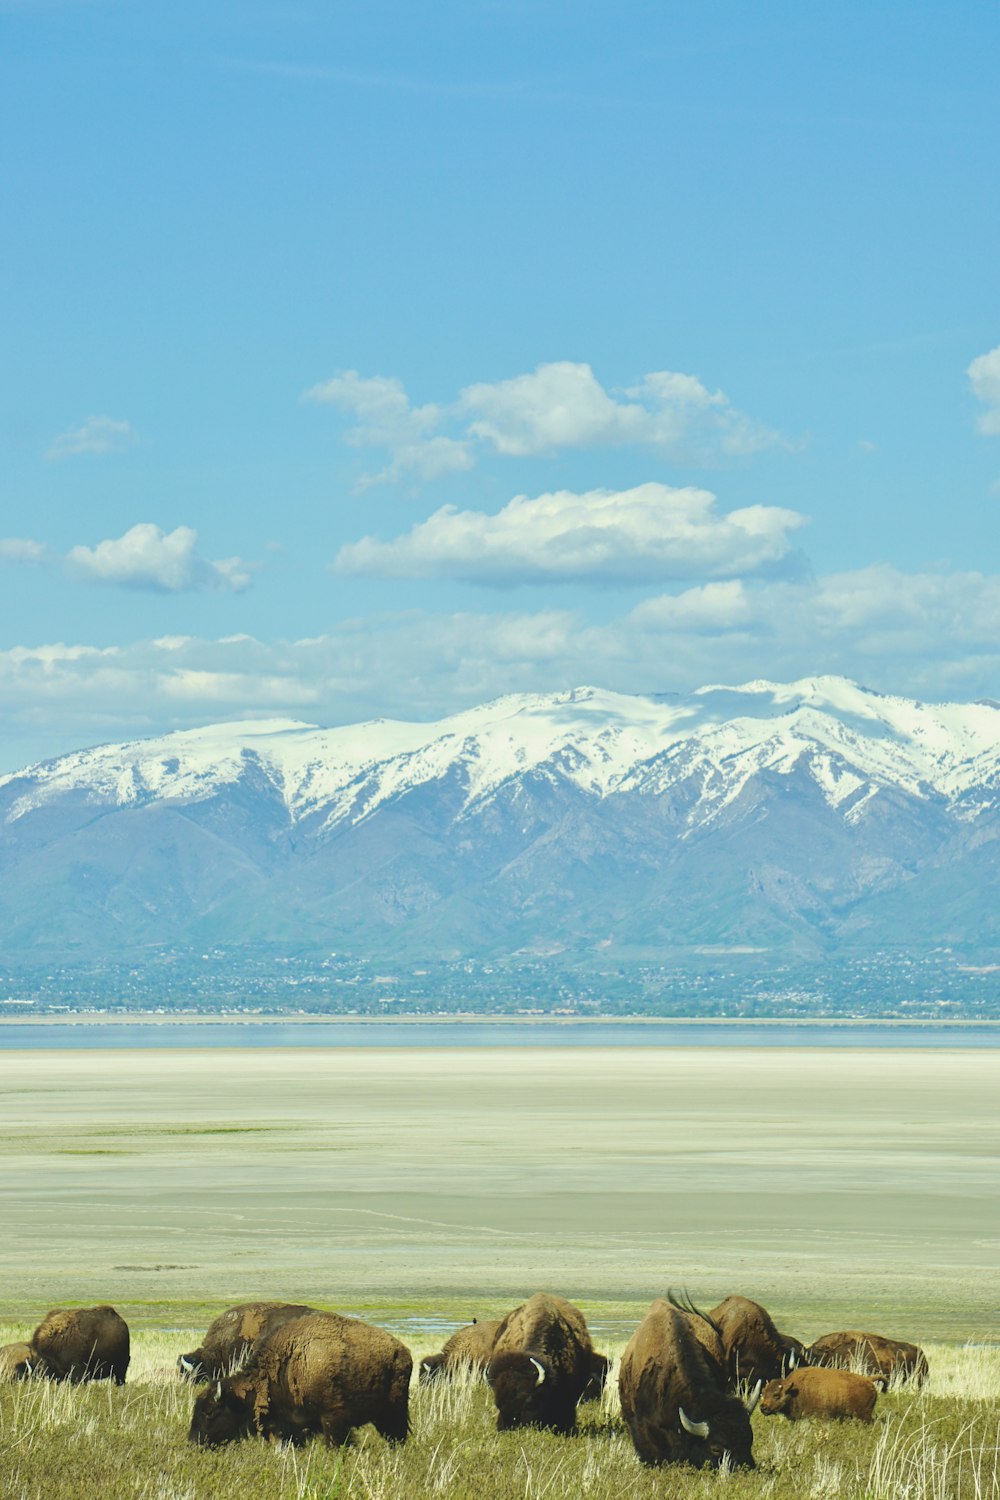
840, 1187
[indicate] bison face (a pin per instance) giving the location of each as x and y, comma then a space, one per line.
430, 1368
219, 1416
776, 1398
522, 1389
190, 1366
723, 1437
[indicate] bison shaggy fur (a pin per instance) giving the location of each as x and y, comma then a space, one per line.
469, 1348
82, 1343
820, 1393
318, 1374
232, 1336
540, 1365
16, 1361
755, 1350
675, 1395
870, 1354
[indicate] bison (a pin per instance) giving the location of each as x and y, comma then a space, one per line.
675, 1395
83, 1343
600, 1369
820, 1393
869, 1354
755, 1350
469, 1348
540, 1365
16, 1361
232, 1336
320, 1373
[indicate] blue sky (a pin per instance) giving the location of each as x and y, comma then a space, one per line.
380, 358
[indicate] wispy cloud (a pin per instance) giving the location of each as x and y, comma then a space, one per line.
557, 406
146, 557
97, 435
650, 533
22, 549
984, 376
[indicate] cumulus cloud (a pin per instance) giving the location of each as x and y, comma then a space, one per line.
21, 549
563, 405
96, 435
556, 406
984, 376
385, 419
651, 532
147, 557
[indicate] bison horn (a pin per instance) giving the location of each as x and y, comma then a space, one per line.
218, 1390
793, 1360
696, 1429
754, 1398
538, 1367
186, 1364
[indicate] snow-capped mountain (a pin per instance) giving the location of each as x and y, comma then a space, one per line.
806, 813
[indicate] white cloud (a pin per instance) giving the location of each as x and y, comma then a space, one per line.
563, 405
984, 376
385, 419
21, 549
96, 435
148, 558
651, 532
556, 406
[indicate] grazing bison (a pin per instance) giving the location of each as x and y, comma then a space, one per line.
231, 1337
755, 1350
81, 1343
870, 1354
675, 1395
820, 1393
316, 1374
540, 1365
469, 1348
16, 1361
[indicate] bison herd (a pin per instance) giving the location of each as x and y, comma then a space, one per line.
689, 1380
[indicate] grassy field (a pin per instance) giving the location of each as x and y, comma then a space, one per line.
838, 1187
61, 1443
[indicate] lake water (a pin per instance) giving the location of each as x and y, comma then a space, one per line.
80, 1034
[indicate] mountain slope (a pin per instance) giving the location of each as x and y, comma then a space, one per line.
798, 815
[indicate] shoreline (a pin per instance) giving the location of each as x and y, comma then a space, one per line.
275, 1018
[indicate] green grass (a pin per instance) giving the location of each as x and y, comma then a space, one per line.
61, 1443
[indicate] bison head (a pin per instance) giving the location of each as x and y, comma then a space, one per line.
191, 1366
220, 1415
777, 1397
522, 1386
600, 1365
723, 1435
430, 1368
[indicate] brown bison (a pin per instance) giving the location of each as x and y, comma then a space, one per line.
755, 1350
469, 1348
820, 1393
316, 1374
82, 1343
675, 1395
870, 1354
540, 1365
16, 1361
231, 1337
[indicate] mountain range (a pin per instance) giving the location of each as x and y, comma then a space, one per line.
803, 817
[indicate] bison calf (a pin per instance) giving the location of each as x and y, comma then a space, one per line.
82, 1343
317, 1374
820, 1393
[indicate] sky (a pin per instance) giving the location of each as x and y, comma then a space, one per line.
377, 359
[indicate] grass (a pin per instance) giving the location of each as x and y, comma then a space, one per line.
60, 1443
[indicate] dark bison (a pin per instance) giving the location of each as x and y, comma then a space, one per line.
820, 1393
231, 1337
755, 1350
82, 1343
469, 1348
317, 1374
870, 1354
675, 1395
600, 1369
16, 1361
540, 1365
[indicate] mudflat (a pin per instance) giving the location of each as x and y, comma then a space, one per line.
841, 1188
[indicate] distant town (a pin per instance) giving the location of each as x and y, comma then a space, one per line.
740, 985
